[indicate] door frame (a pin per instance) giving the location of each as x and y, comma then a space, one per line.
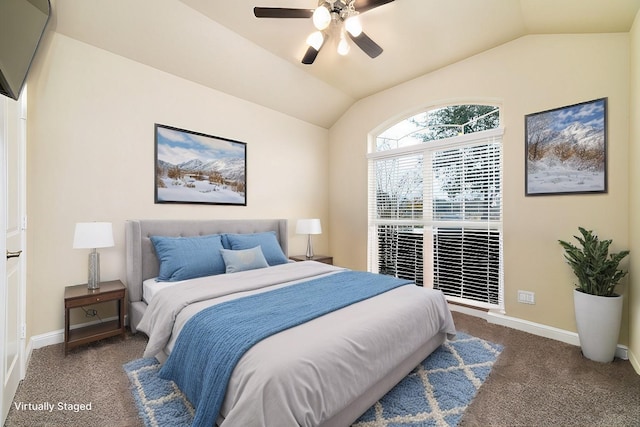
20, 126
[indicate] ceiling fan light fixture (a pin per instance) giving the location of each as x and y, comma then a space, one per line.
315, 40
321, 17
333, 19
343, 46
353, 25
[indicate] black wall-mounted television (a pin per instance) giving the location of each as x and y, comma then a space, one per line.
22, 23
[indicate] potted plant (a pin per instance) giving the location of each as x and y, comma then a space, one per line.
598, 308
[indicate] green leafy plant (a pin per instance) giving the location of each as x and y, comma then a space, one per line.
597, 270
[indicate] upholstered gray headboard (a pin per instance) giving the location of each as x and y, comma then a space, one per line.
141, 260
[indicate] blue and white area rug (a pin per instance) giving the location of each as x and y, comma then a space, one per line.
436, 393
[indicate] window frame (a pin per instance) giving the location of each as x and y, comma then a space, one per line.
427, 149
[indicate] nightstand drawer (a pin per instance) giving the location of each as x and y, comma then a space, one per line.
94, 299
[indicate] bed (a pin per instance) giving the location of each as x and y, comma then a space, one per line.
326, 371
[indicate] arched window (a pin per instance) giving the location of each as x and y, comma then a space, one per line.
435, 202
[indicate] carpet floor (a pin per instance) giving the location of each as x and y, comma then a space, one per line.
535, 382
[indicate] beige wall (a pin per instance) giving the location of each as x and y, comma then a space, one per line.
634, 197
91, 158
528, 75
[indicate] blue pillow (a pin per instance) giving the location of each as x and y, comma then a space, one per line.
243, 259
267, 242
184, 258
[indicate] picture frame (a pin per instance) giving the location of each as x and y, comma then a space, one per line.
193, 167
566, 150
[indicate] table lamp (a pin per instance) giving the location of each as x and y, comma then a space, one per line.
309, 227
93, 235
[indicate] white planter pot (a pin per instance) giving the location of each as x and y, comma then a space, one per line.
598, 320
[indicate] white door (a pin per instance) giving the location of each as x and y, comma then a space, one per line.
12, 267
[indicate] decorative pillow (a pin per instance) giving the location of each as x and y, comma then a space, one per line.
184, 258
243, 259
267, 242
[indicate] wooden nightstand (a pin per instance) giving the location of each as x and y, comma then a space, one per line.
320, 258
80, 296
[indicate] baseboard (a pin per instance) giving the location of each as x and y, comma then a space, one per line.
635, 362
46, 339
622, 351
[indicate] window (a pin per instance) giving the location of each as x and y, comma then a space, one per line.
435, 207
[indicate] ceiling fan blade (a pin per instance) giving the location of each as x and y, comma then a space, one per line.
281, 12
310, 55
365, 43
364, 5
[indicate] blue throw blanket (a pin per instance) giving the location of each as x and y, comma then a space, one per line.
213, 341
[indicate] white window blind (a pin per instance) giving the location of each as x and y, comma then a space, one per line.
435, 216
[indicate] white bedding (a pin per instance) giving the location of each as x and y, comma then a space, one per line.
151, 287
306, 374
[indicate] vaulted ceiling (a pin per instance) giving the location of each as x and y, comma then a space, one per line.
221, 45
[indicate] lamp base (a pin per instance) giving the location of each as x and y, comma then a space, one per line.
94, 270
309, 247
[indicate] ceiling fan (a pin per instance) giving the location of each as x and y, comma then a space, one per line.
332, 18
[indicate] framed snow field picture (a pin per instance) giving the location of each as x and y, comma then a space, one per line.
193, 167
566, 150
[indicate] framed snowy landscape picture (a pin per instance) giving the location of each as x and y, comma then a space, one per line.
193, 167
566, 150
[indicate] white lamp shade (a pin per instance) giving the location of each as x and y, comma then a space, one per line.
343, 46
308, 226
315, 40
321, 17
353, 25
89, 235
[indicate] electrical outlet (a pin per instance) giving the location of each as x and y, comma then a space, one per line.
526, 297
